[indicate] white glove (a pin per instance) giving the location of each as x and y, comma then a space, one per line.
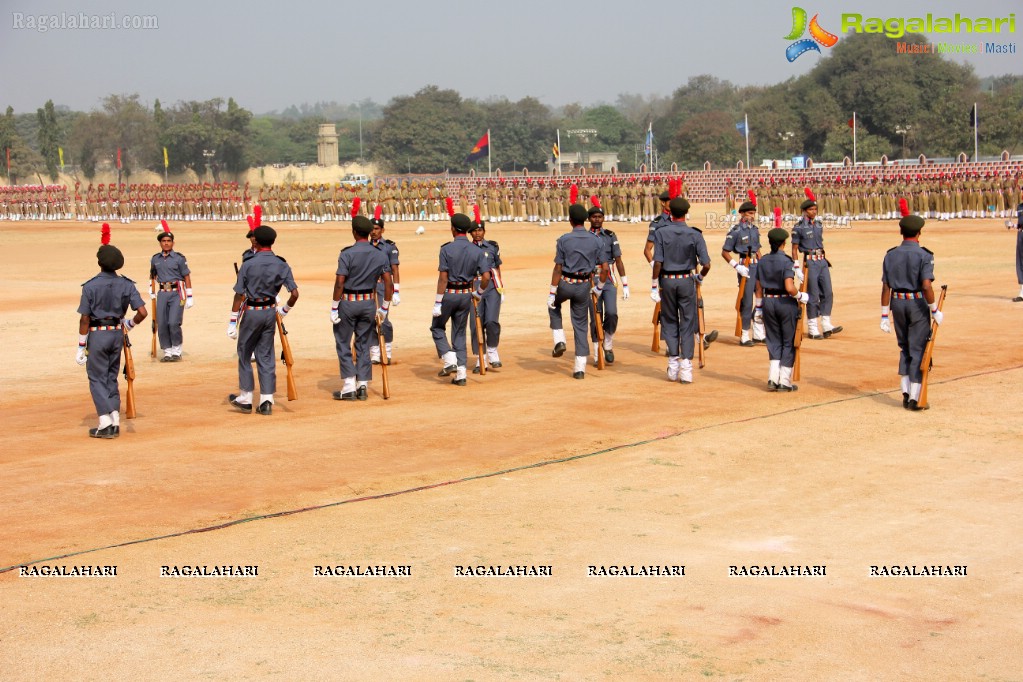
798, 272
477, 294
758, 315
551, 297
625, 292
152, 295
335, 318
500, 290
742, 270
698, 277
80, 358
938, 316
436, 309
284, 310
396, 298
381, 314
886, 325
232, 326
188, 298
655, 295
802, 297
127, 323
597, 288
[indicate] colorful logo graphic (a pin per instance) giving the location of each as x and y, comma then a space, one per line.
799, 27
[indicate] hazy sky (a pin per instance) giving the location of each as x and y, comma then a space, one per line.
270, 54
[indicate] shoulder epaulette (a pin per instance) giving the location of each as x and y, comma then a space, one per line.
389, 241
927, 250
282, 258
494, 243
130, 280
891, 249
342, 250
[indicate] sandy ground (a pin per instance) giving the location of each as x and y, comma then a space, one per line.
523, 467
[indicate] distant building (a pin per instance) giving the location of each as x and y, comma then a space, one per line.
572, 162
326, 145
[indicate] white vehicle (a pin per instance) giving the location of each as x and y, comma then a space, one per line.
355, 179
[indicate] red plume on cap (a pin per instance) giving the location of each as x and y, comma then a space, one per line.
356, 204
450, 203
166, 227
777, 216
903, 208
257, 216
573, 194
752, 197
476, 214
809, 194
104, 234
673, 188
377, 212
595, 200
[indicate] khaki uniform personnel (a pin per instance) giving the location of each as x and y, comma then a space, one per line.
104, 303
174, 293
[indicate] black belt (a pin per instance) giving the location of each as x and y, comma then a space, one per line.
775, 292
665, 273
459, 285
359, 291
261, 301
577, 275
103, 321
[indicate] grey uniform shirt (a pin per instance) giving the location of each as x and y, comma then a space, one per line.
169, 267
907, 265
362, 264
577, 252
108, 296
773, 270
262, 276
610, 250
743, 239
388, 247
657, 223
679, 247
808, 236
462, 260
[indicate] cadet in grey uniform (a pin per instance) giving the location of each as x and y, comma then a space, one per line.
259, 281
907, 291
173, 295
777, 307
460, 263
663, 219
359, 268
611, 257
490, 305
1019, 252
390, 249
743, 240
808, 238
104, 303
576, 259
678, 249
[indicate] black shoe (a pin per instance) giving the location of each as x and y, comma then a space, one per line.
746, 344
829, 332
265, 408
175, 358
787, 389
458, 382
579, 375
609, 356
244, 407
362, 393
476, 369
167, 358
559, 349
1018, 299
376, 362
771, 386
106, 432
760, 341
916, 408
905, 400
448, 369
117, 431
495, 364
816, 337
338, 395
710, 338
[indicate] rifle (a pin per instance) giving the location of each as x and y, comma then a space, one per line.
702, 328
289, 359
925, 363
797, 342
129, 375
385, 361
738, 299
655, 345
481, 352
599, 323
152, 283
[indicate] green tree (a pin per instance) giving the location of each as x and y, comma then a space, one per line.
429, 132
49, 139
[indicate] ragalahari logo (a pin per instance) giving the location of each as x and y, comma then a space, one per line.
799, 27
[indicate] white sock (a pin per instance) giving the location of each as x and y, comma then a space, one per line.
105, 421
244, 397
904, 383
580, 363
774, 371
348, 385
460, 372
608, 340
785, 376
559, 335
449, 358
115, 418
673, 368
914, 391
264, 397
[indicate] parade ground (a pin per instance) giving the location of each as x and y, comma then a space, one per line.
527, 526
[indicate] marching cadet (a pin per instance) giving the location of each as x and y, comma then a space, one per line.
1019, 252
259, 281
906, 292
663, 219
376, 239
101, 329
359, 268
168, 270
610, 257
576, 260
743, 240
808, 239
460, 263
777, 309
678, 249
490, 305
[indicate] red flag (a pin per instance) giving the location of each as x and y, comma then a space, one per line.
481, 149
852, 122
118, 157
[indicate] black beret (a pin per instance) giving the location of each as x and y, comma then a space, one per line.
265, 235
665, 196
461, 222
249, 235
110, 257
809, 203
678, 207
747, 206
376, 222
911, 225
362, 225
160, 236
577, 214
594, 210
777, 235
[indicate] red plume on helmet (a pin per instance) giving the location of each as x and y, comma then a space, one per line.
476, 214
903, 208
595, 200
809, 194
674, 188
257, 215
573, 194
777, 216
356, 205
377, 212
752, 197
166, 227
450, 203
104, 234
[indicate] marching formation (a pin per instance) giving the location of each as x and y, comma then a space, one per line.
776, 293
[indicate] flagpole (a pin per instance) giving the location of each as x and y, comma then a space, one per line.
559, 151
490, 145
976, 124
745, 118
854, 138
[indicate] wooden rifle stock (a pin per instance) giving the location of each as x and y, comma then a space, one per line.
655, 345
797, 342
702, 329
152, 284
289, 359
599, 324
738, 299
480, 349
129, 375
925, 362
384, 360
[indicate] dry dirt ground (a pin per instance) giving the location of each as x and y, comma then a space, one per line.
523, 467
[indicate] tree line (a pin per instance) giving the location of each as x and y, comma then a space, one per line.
904, 105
